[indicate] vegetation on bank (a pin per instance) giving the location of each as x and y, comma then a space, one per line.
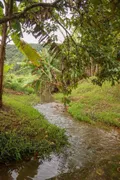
93, 104
24, 132
18, 82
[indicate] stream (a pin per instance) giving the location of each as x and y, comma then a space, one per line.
94, 153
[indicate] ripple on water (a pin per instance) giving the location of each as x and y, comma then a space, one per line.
90, 146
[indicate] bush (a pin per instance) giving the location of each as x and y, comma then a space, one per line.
14, 147
17, 83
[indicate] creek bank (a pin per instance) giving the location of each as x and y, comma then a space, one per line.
24, 132
94, 152
91, 147
94, 104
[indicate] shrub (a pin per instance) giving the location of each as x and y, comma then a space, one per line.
14, 147
16, 83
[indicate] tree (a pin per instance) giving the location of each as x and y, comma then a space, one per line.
9, 22
94, 23
99, 35
2, 49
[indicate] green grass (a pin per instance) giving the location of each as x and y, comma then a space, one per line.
25, 131
94, 104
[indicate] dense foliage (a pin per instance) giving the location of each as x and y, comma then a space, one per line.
22, 75
91, 30
91, 36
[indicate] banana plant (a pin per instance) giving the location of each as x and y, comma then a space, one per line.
46, 75
11, 26
26, 49
41, 63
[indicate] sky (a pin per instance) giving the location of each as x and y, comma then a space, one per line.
29, 38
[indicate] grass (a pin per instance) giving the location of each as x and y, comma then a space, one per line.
94, 104
25, 131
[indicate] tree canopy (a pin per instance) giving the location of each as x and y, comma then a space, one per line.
91, 33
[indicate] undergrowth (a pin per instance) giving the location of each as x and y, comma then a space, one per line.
19, 82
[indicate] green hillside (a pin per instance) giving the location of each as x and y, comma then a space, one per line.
13, 55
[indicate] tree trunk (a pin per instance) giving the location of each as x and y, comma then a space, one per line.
8, 12
2, 58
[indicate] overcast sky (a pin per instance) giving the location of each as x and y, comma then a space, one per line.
30, 38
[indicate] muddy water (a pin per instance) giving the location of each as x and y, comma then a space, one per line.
94, 153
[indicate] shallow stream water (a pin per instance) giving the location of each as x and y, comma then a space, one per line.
94, 153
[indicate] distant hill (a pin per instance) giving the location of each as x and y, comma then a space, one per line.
13, 55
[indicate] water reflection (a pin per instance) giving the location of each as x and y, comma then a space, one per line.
28, 171
46, 96
90, 146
